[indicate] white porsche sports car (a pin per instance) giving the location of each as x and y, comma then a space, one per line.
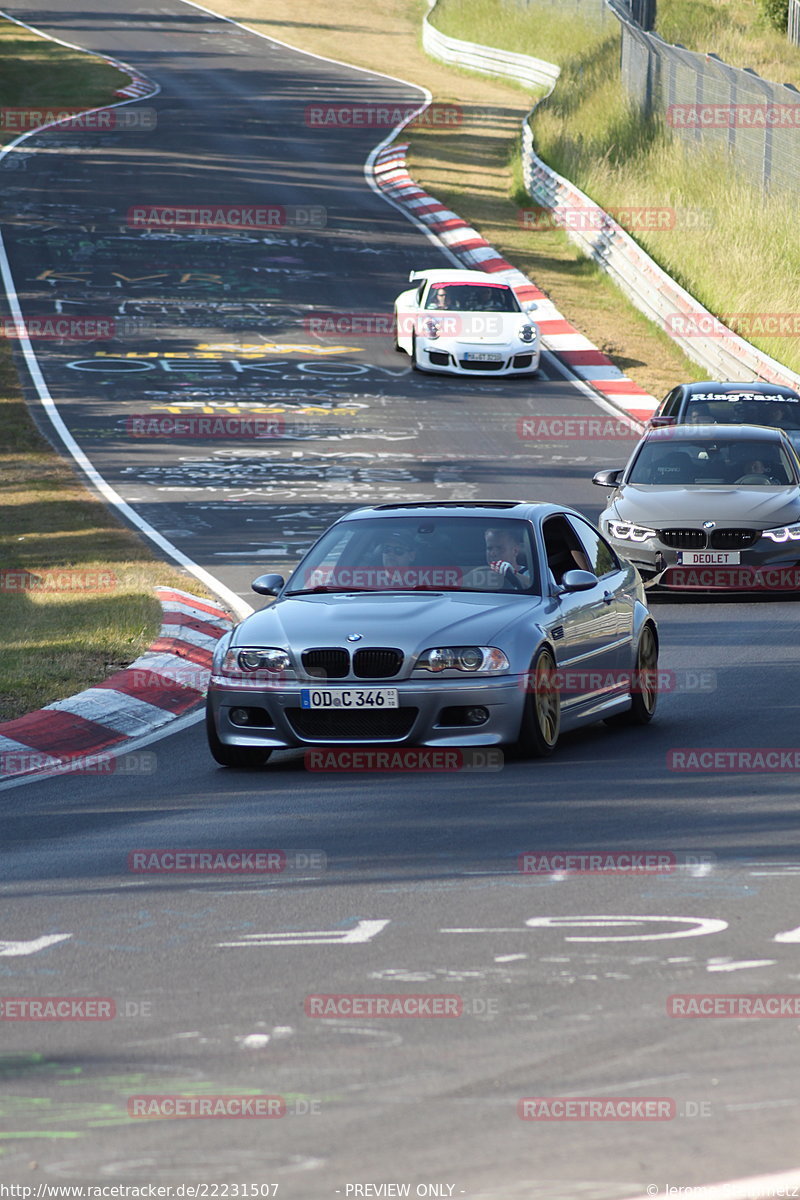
465, 323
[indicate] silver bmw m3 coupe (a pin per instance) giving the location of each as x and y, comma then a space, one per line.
459, 624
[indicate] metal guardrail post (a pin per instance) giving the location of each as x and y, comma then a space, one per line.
794, 22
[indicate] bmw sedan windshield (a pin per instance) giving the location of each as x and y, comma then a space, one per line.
451, 554
711, 462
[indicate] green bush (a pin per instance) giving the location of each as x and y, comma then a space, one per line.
776, 12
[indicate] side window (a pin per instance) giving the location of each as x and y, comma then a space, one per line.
602, 558
563, 547
670, 404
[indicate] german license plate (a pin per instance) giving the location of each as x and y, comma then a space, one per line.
708, 558
483, 357
349, 698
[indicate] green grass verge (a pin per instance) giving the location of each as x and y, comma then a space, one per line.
72, 634
733, 248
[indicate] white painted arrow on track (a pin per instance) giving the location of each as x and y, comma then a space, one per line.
364, 931
15, 949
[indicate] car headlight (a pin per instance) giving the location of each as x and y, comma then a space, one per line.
626, 531
266, 658
473, 659
527, 333
784, 533
431, 329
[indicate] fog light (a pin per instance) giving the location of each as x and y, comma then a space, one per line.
477, 716
240, 716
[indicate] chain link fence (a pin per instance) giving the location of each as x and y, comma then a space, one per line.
705, 101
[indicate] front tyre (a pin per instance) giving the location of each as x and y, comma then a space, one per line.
644, 690
541, 718
232, 756
414, 361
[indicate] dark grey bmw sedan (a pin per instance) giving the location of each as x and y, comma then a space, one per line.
708, 508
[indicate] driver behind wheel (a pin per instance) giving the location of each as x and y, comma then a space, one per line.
505, 556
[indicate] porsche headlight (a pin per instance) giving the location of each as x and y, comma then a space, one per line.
626, 531
265, 658
527, 333
431, 328
472, 659
784, 533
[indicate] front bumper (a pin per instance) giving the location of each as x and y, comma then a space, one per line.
419, 720
520, 358
764, 567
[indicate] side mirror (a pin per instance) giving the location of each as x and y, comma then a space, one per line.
578, 581
609, 477
268, 585
657, 422
529, 305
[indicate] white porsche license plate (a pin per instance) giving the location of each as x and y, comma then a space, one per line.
483, 357
708, 558
349, 698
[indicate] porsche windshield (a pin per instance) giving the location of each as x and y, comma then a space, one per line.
471, 297
451, 554
777, 411
664, 461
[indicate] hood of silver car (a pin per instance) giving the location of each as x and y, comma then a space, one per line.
411, 622
749, 507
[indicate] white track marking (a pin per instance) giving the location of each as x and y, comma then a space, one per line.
364, 931
18, 949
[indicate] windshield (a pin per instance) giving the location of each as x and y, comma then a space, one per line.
451, 554
709, 462
783, 412
471, 297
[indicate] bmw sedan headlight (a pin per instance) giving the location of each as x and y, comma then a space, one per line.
626, 531
527, 333
784, 533
266, 658
472, 659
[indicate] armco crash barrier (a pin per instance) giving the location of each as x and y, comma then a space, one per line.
723, 355
162, 684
